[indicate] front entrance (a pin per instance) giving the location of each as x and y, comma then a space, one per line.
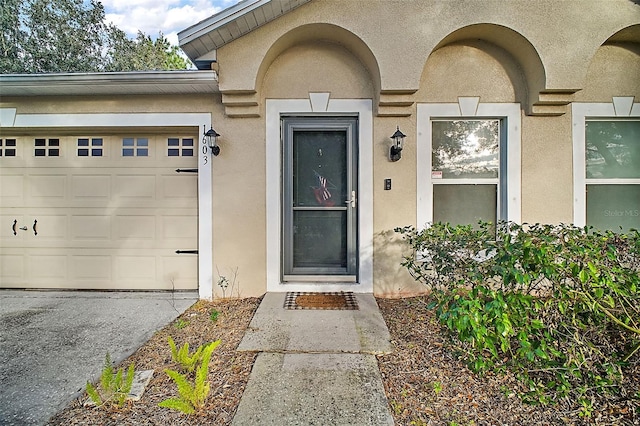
320, 199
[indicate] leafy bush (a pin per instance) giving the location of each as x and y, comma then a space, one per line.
114, 386
557, 304
191, 396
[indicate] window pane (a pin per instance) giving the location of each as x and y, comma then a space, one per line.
54, 152
613, 206
83, 152
174, 142
40, 142
54, 142
96, 152
319, 239
464, 204
127, 142
187, 142
142, 152
466, 149
96, 142
613, 149
127, 152
40, 152
319, 168
11, 142
187, 152
143, 142
174, 152
83, 142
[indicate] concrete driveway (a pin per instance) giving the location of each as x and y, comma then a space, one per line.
52, 342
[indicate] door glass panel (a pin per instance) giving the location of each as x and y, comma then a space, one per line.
319, 168
466, 149
613, 207
320, 239
613, 149
464, 204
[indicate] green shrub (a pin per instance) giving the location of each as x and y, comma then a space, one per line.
557, 304
191, 396
187, 361
114, 386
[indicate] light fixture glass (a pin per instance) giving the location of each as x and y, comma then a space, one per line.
211, 139
395, 152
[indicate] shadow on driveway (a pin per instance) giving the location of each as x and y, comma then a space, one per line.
52, 342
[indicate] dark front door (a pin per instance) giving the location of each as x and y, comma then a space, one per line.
320, 208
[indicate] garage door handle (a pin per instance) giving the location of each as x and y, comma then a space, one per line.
186, 251
15, 222
35, 231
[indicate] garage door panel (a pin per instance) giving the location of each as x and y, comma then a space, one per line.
136, 227
135, 268
135, 187
46, 229
181, 270
10, 223
180, 187
86, 229
91, 268
86, 188
47, 189
43, 268
12, 189
12, 263
180, 228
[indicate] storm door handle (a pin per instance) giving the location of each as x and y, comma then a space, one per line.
352, 201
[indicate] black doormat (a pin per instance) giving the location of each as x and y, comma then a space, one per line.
323, 301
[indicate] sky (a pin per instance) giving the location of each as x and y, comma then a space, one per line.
168, 16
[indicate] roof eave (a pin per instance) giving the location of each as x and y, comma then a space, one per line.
135, 82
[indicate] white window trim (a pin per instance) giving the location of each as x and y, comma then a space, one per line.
10, 118
620, 107
467, 107
318, 104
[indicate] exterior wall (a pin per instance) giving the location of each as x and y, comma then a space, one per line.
541, 55
500, 52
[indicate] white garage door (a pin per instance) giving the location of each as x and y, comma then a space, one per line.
98, 211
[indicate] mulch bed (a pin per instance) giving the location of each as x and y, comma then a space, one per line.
425, 383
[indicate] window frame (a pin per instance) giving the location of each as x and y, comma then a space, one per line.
621, 108
509, 175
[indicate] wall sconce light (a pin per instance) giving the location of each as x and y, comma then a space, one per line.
395, 152
211, 139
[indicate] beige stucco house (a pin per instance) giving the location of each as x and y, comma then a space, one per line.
512, 110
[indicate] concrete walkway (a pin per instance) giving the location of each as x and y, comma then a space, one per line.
52, 342
315, 367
